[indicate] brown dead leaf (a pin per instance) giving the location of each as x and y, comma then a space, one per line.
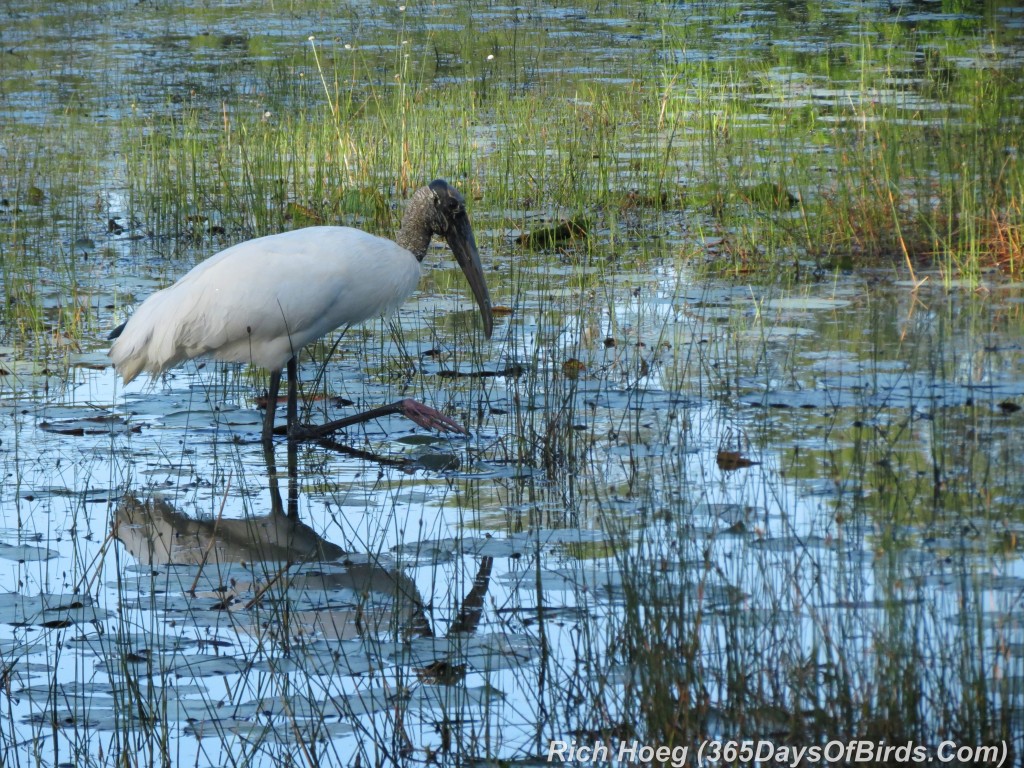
729, 461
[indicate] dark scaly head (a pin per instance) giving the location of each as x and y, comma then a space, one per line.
439, 209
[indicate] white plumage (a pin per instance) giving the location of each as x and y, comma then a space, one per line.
262, 300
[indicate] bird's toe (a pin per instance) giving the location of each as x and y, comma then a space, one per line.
430, 418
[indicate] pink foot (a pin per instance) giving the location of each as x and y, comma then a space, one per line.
428, 417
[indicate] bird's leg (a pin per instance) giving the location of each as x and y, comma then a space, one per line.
276, 506
275, 490
293, 479
413, 410
293, 396
268, 417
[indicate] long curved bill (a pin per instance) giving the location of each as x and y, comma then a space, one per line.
463, 244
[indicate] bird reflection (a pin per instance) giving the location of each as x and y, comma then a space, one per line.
277, 561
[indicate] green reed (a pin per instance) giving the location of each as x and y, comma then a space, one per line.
886, 148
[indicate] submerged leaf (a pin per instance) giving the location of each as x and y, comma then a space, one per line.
92, 425
769, 195
576, 228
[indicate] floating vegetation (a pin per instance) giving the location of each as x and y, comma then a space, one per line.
576, 228
24, 553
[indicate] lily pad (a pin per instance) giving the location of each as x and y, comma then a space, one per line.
24, 553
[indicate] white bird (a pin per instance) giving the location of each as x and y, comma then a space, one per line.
263, 300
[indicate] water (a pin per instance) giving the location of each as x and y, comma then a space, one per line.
690, 507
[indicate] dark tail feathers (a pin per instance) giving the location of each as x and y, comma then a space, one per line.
117, 331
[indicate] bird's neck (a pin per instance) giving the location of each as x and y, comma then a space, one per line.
415, 233
415, 239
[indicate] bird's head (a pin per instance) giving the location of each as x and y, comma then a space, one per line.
446, 216
447, 206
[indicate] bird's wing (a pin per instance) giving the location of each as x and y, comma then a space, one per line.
261, 301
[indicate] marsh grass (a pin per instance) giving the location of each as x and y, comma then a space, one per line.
875, 154
897, 146
43, 271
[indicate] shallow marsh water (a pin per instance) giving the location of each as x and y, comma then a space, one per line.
690, 507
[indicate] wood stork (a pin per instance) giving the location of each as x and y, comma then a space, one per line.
263, 300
